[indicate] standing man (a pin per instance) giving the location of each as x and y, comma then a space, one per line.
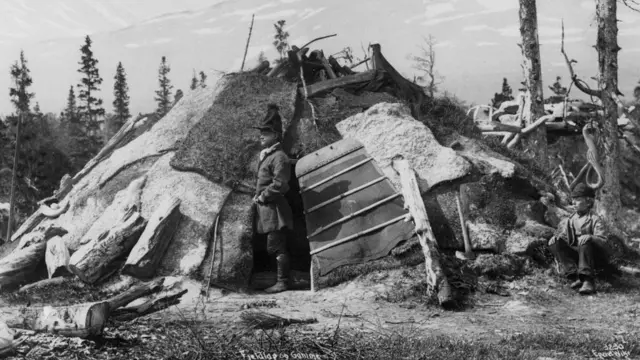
273, 213
581, 244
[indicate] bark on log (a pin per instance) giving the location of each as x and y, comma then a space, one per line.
154, 241
496, 126
42, 284
260, 68
94, 260
76, 320
157, 303
436, 277
135, 292
21, 263
324, 86
57, 257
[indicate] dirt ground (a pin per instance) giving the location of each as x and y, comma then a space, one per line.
389, 302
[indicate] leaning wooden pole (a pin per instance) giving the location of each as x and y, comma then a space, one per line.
436, 277
14, 179
246, 48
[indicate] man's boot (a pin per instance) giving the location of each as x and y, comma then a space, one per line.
282, 284
587, 288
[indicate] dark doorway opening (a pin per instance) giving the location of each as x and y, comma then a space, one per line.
265, 266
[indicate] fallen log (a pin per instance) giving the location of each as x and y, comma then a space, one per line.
157, 303
135, 292
57, 257
43, 284
154, 241
21, 263
80, 320
496, 126
92, 262
436, 277
328, 85
276, 69
327, 66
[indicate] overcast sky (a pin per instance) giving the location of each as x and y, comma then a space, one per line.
477, 39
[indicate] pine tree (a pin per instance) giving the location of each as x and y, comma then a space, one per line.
90, 107
178, 96
164, 93
261, 58
194, 81
203, 79
20, 95
121, 101
506, 89
281, 39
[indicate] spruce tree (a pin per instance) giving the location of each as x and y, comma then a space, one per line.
121, 101
194, 81
203, 79
90, 107
21, 78
163, 97
281, 41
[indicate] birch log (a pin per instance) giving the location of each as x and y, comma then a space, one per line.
94, 260
436, 277
155, 303
19, 265
135, 292
76, 320
57, 257
154, 241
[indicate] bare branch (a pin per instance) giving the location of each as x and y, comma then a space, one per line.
579, 83
632, 4
316, 39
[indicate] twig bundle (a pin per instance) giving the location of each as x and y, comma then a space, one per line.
263, 320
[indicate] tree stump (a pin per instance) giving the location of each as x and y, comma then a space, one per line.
57, 257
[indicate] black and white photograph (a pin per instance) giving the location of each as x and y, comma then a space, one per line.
326, 180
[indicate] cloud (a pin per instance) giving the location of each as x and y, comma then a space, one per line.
629, 31
307, 13
414, 18
108, 14
476, 28
132, 46
276, 15
444, 44
447, 19
558, 64
631, 50
246, 13
316, 27
211, 20
288, 1
208, 31
434, 10
558, 40
486, 43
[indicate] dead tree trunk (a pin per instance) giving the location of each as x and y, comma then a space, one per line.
154, 241
94, 260
608, 204
80, 320
536, 142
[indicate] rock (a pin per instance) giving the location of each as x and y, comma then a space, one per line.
532, 211
387, 130
520, 243
484, 159
486, 237
537, 230
498, 265
554, 215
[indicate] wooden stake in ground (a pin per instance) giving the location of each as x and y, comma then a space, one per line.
12, 197
246, 48
154, 241
436, 277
